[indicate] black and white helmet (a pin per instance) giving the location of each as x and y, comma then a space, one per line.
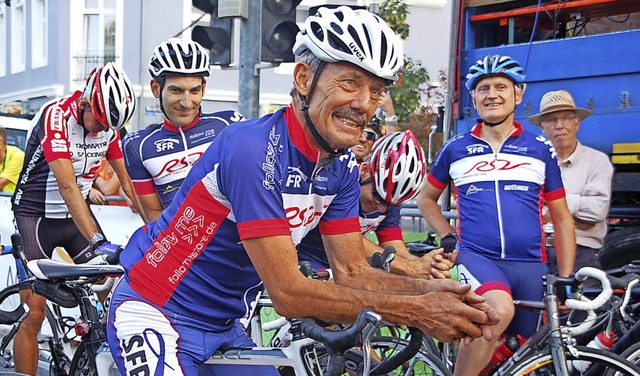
356, 36
178, 57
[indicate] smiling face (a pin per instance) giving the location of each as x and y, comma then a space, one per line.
495, 98
181, 97
344, 99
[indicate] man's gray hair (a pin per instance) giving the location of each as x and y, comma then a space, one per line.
312, 60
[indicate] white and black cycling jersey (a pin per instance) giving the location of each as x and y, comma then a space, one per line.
57, 134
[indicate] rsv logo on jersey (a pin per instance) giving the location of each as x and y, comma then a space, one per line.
166, 144
295, 176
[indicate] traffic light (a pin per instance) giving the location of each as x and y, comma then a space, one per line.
278, 30
216, 37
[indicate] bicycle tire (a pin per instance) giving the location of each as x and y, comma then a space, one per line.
9, 299
602, 363
61, 363
424, 363
632, 354
80, 364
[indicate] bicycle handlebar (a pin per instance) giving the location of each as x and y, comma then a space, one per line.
13, 318
585, 304
339, 341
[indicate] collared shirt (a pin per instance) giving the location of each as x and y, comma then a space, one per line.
11, 167
587, 177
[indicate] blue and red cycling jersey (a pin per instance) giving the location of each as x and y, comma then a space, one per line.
500, 193
386, 226
259, 178
159, 157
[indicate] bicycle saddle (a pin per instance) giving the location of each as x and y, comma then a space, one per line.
51, 269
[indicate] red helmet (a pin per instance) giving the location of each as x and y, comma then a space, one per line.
110, 95
397, 167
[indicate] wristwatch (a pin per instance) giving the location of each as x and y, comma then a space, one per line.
391, 120
96, 240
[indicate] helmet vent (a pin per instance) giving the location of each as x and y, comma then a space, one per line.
337, 43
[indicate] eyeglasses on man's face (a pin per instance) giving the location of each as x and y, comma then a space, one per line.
370, 135
551, 121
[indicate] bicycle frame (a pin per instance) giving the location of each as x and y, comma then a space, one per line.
552, 335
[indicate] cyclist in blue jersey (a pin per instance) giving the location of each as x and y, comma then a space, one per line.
393, 176
159, 157
262, 185
502, 176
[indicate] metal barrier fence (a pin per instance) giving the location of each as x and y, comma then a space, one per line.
412, 218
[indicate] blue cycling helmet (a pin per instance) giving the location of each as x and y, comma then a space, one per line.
494, 65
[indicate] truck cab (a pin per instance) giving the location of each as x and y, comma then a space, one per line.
587, 47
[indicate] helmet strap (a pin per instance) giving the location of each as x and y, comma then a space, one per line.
333, 153
81, 115
490, 124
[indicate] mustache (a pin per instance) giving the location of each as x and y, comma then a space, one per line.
356, 116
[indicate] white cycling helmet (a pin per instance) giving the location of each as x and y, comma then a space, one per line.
397, 167
355, 36
177, 57
110, 95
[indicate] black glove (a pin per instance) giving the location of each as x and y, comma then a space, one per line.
449, 242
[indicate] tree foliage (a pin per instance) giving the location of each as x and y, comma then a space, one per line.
395, 12
409, 91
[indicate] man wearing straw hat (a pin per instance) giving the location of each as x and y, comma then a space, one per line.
586, 175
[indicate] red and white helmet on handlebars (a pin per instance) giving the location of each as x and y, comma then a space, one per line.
397, 167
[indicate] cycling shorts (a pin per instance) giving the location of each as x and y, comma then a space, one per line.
40, 236
521, 279
146, 339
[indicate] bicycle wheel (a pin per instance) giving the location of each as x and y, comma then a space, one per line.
53, 352
9, 300
632, 354
424, 363
585, 361
80, 364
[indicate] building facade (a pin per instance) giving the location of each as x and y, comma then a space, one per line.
47, 48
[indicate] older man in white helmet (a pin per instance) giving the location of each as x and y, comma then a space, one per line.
257, 191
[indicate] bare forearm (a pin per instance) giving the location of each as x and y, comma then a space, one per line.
371, 279
129, 191
565, 243
433, 215
127, 187
79, 210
